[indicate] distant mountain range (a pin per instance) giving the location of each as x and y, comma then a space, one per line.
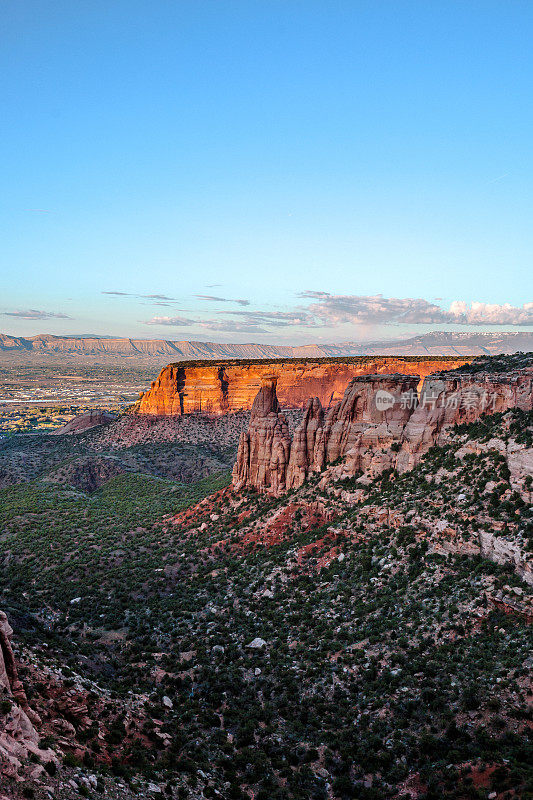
104, 349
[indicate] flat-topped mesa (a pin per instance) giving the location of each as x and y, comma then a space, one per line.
264, 449
228, 386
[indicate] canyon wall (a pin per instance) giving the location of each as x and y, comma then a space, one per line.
219, 388
381, 423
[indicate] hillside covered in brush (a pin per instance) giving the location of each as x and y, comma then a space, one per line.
337, 641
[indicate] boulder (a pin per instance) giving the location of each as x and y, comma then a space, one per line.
257, 644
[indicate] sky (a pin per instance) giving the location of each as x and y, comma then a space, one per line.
286, 171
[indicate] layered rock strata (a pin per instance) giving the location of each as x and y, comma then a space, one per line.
263, 453
219, 388
361, 428
447, 399
381, 423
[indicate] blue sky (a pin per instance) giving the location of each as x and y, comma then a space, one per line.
347, 170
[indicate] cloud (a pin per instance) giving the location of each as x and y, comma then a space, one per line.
375, 309
231, 325
336, 309
492, 313
157, 297
330, 311
144, 296
33, 313
177, 322
208, 324
221, 299
277, 319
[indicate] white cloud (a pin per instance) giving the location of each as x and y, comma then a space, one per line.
33, 313
376, 309
177, 322
231, 325
365, 311
492, 313
277, 319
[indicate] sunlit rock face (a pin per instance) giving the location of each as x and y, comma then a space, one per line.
370, 417
222, 387
362, 426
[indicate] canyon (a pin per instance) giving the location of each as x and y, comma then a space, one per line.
155, 606
223, 387
381, 423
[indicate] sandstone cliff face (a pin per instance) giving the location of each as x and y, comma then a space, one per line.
18, 737
381, 423
362, 426
223, 387
9, 680
447, 400
307, 442
263, 454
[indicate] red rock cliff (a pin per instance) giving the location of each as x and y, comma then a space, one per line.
264, 449
381, 423
217, 388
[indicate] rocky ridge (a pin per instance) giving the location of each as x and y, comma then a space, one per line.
84, 422
110, 349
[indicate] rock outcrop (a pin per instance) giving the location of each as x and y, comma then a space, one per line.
219, 388
263, 453
361, 427
306, 444
447, 399
83, 422
18, 736
380, 423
